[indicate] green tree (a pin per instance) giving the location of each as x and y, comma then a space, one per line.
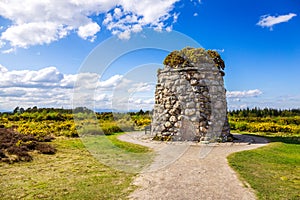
16, 110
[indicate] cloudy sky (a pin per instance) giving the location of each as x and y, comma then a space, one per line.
44, 46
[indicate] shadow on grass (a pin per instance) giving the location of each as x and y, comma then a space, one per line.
288, 139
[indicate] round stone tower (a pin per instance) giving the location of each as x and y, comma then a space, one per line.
190, 98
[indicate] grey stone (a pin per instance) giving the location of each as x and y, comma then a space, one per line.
167, 105
177, 125
168, 124
173, 119
194, 119
194, 82
190, 112
190, 105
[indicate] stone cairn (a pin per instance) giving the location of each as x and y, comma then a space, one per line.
190, 98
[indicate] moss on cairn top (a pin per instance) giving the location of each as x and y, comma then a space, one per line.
188, 56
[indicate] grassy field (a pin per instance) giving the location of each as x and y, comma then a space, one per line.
77, 171
72, 173
272, 171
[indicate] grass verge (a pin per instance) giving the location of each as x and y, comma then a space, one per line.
273, 170
72, 173
117, 154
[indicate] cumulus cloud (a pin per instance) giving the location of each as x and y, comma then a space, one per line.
12, 92
44, 87
89, 31
141, 87
269, 21
137, 103
48, 87
110, 83
133, 103
33, 33
42, 22
49, 74
3, 69
47, 77
243, 94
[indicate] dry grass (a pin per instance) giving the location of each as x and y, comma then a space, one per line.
72, 173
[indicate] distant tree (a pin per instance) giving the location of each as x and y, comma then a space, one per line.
16, 110
82, 110
34, 109
266, 112
141, 112
22, 110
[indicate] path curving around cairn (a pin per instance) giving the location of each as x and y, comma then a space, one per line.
188, 170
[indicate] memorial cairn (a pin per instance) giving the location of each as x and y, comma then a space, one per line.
190, 98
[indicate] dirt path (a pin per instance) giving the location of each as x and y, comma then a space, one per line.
190, 170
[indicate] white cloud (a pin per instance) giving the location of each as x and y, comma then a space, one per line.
125, 35
269, 21
85, 82
243, 94
27, 88
12, 92
47, 77
141, 87
175, 17
89, 31
2, 69
144, 103
219, 50
136, 28
49, 74
42, 22
7, 51
118, 13
34, 33
169, 28
49, 87
195, 14
279, 102
37, 22
102, 97
110, 83
68, 81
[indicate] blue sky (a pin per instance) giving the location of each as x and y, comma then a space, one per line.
44, 47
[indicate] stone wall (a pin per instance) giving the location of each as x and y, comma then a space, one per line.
190, 98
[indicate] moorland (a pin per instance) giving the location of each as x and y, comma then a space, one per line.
43, 155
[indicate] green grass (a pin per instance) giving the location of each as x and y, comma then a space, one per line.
273, 171
117, 154
72, 173
127, 146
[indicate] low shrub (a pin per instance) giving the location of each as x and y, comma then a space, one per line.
264, 127
15, 147
45, 148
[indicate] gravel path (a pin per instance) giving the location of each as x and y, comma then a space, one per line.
188, 170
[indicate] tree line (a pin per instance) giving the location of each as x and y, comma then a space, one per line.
266, 112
